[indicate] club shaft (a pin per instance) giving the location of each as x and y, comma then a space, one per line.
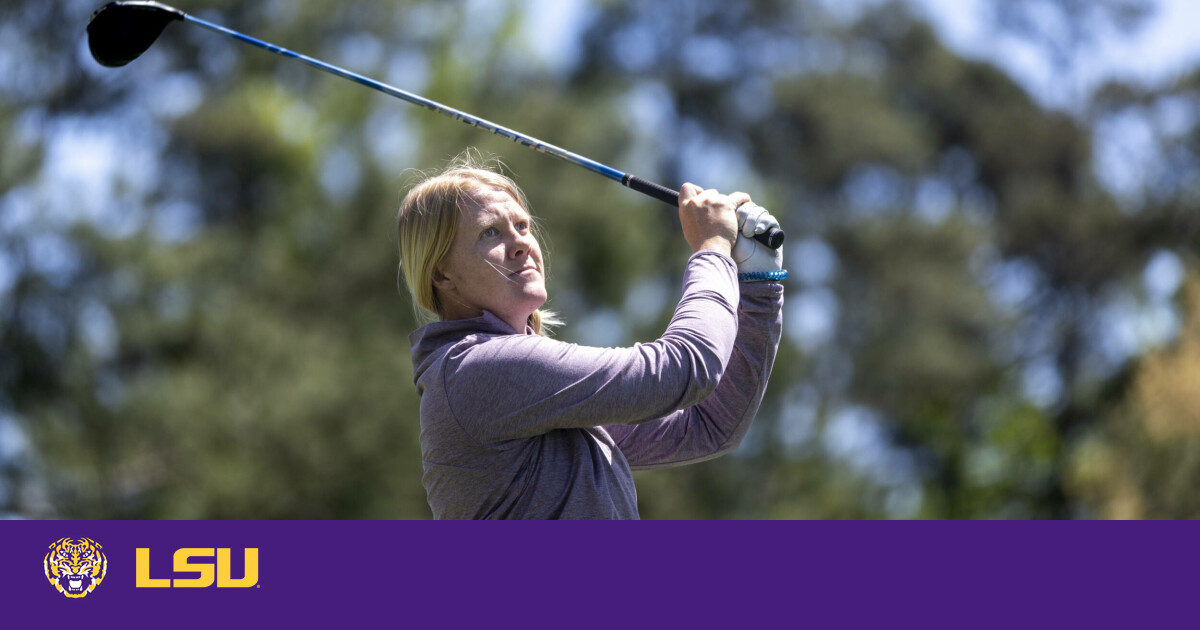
646, 187
415, 99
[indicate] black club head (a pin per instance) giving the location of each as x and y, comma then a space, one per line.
120, 32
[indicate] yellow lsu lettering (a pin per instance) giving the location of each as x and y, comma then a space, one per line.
208, 572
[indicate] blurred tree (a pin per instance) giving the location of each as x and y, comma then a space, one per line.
975, 252
1144, 460
197, 317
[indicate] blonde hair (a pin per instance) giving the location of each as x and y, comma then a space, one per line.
428, 221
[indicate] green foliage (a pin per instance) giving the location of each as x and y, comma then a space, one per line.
206, 325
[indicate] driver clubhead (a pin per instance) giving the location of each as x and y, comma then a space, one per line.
120, 32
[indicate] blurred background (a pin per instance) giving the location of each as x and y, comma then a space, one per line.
992, 211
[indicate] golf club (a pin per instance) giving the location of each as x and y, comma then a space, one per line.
120, 32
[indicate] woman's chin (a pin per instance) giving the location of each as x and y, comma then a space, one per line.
536, 294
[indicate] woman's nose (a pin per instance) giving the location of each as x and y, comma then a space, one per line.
521, 245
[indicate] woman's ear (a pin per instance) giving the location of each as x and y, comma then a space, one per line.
441, 281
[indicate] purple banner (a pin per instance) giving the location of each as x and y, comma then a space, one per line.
651, 574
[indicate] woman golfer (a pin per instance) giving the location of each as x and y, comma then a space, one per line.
515, 424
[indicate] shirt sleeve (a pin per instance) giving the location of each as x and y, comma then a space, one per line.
718, 424
514, 387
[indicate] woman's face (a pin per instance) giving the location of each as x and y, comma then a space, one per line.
494, 263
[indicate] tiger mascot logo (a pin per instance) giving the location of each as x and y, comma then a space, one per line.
75, 566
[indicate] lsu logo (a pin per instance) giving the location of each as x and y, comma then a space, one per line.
209, 573
75, 566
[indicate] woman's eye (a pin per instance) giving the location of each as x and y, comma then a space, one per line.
490, 232
522, 226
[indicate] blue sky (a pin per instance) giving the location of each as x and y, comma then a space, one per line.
1165, 46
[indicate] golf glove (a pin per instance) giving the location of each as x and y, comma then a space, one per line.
756, 262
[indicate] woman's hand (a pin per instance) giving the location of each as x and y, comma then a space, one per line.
708, 218
751, 256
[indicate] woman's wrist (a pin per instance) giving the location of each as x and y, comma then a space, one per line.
716, 243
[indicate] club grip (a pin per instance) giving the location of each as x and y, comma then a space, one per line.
659, 192
772, 238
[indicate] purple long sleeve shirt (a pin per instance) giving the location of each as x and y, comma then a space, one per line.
524, 426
